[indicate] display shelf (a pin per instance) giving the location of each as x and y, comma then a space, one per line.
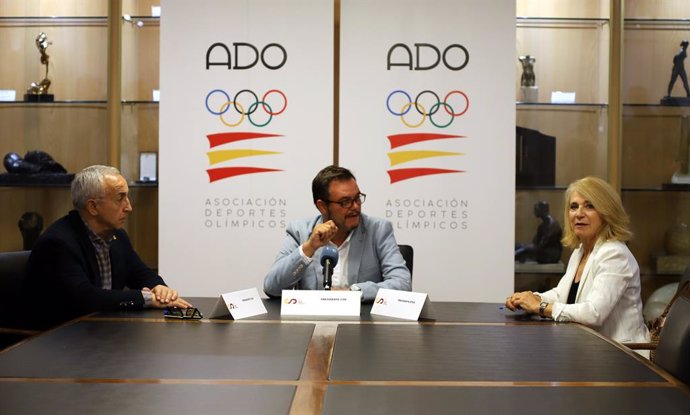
652, 133
574, 59
58, 103
50, 21
580, 132
548, 105
570, 43
641, 23
564, 22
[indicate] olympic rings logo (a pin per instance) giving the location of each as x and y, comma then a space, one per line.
243, 110
434, 107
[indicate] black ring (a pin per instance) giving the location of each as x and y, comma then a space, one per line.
416, 106
234, 101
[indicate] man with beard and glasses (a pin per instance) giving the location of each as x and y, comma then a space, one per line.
369, 257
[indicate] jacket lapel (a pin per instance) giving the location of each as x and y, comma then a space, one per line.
586, 272
356, 248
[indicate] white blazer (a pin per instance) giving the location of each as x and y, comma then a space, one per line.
608, 298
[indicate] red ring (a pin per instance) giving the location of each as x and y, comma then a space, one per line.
268, 110
446, 106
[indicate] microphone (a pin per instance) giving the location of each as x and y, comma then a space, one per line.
329, 259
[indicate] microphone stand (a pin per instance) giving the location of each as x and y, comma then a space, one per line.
327, 275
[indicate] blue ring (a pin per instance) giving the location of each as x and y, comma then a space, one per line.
409, 99
227, 99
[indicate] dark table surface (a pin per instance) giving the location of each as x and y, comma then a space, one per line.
168, 350
468, 358
528, 353
440, 312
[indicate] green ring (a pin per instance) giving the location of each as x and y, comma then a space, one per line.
270, 116
431, 111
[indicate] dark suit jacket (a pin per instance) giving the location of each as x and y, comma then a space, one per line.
63, 280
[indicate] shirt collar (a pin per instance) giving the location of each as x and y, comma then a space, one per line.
93, 236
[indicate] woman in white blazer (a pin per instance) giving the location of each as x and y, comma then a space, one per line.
601, 286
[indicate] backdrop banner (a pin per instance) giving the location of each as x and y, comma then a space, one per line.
427, 124
246, 120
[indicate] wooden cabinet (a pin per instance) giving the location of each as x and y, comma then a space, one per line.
651, 132
75, 128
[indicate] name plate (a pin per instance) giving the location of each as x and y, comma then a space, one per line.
320, 303
400, 304
239, 305
559, 97
8, 94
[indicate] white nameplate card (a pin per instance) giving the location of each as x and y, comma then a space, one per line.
320, 303
559, 97
8, 94
239, 305
400, 304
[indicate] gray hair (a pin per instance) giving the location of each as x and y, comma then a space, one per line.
90, 184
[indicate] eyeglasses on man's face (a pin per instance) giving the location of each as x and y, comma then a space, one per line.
347, 202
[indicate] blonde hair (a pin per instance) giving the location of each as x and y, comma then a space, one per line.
615, 221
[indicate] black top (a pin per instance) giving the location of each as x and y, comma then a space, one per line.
573, 292
63, 280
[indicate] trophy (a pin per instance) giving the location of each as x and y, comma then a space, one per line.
528, 88
678, 71
38, 92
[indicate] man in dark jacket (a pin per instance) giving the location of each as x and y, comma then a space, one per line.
84, 262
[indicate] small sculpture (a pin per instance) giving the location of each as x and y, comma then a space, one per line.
34, 162
529, 91
30, 226
679, 69
38, 92
545, 247
528, 78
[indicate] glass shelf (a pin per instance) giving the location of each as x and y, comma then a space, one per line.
30, 21
679, 24
671, 188
560, 105
560, 22
66, 102
137, 102
541, 188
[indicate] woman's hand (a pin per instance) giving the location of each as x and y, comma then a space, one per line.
525, 300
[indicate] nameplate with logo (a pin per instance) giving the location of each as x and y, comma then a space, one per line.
400, 304
239, 305
320, 303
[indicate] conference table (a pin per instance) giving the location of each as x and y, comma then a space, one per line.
473, 358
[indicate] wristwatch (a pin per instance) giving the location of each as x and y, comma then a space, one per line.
355, 287
542, 308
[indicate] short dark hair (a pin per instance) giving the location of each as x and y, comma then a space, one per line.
319, 186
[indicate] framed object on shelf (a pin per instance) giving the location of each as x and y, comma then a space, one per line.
148, 167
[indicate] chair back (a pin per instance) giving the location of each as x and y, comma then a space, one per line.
673, 351
12, 271
408, 255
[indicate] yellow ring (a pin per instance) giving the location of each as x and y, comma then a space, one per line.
222, 110
402, 111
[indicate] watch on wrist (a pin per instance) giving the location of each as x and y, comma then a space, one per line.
355, 287
542, 308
